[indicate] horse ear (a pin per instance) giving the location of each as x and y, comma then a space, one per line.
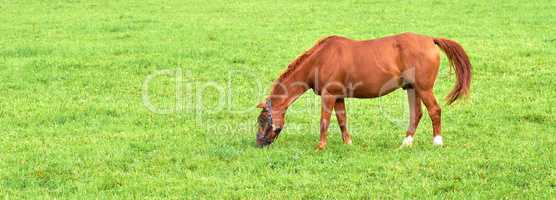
262, 104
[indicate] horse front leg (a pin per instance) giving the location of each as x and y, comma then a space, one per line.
340, 110
328, 102
415, 115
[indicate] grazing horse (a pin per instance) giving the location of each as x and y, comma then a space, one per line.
337, 68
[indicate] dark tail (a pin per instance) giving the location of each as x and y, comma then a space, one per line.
460, 63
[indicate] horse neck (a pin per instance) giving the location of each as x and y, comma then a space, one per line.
287, 89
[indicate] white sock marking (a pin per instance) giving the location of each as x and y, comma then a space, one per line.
437, 140
407, 141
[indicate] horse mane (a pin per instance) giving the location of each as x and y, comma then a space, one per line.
300, 59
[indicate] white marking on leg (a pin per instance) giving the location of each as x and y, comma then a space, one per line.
407, 141
437, 140
349, 141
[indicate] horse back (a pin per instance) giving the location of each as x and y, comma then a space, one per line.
379, 66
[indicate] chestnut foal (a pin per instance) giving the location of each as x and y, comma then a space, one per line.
337, 68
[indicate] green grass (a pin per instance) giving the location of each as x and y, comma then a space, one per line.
73, 124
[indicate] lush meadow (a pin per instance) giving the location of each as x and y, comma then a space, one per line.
156, 99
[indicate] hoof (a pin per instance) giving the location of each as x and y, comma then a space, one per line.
321, 147
437, 141
348, 141
407, 142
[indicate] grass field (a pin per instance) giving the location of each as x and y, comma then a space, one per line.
74, 124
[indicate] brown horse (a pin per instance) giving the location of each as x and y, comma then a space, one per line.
337, 68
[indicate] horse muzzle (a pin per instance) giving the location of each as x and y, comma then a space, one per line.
263, 141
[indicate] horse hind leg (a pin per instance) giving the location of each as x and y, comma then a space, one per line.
435, 114
425, 73
415, 115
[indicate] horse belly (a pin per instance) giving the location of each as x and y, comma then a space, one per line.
376, 85
366, 92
